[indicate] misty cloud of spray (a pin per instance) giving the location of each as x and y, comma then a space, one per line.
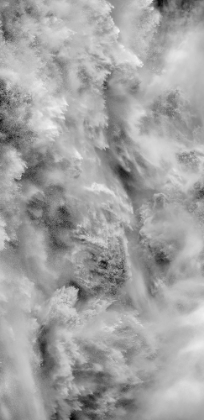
101, 223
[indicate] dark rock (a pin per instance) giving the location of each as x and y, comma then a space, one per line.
101, 269
199, 190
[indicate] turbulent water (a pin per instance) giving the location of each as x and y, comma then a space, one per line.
101, 210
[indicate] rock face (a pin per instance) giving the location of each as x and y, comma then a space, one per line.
101, 269
161, 4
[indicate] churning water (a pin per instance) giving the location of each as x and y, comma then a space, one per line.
101, 210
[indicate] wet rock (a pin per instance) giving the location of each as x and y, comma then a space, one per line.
36, 207
199, 190
101, 269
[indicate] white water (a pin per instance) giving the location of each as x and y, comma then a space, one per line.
104, 164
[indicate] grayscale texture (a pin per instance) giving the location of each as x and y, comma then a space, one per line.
101, 210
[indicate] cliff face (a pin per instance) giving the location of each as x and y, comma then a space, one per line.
179, 4
101, 210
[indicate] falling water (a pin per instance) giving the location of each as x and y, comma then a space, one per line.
102, 210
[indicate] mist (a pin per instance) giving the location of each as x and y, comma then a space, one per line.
101, 210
